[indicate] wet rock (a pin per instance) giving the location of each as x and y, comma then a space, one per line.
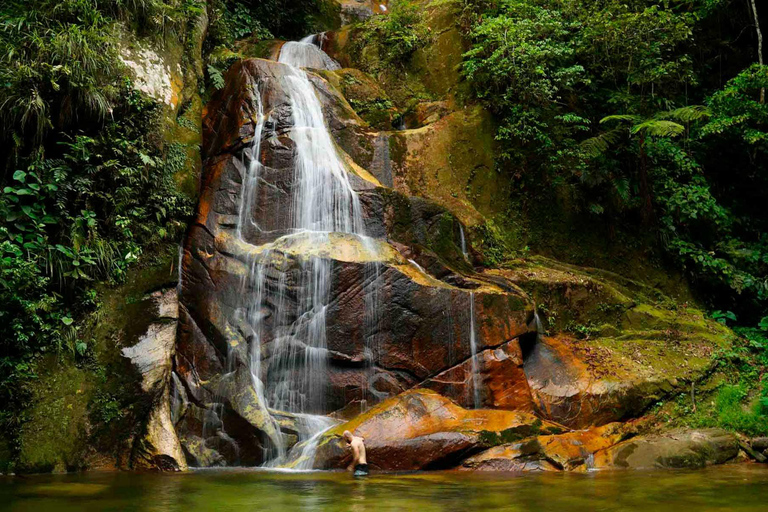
420, 429
676, 449
598, 380
759, 443
502, 383
389, 323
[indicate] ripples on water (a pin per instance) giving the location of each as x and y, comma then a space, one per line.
732, 488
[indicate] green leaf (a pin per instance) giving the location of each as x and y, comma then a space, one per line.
67, 320
659, 128
763, 323
19, 176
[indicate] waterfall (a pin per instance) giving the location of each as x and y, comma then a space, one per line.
463, 243
288, 296
473, 347
306, 54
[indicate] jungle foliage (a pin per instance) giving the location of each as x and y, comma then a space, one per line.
649, 113
85, 188
397, 35
652, 115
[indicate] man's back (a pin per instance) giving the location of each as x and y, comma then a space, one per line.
359, 462
358, 451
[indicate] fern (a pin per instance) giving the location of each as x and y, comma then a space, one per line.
658, 128
217, 78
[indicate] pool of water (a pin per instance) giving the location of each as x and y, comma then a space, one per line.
732, 488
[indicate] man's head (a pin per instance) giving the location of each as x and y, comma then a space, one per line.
347, 436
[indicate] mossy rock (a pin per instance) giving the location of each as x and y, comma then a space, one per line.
54, 436
431, 73
86, 413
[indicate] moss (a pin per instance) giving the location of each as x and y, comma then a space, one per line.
54, 436
451, 163
431, 73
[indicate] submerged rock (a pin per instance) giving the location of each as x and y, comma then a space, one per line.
420, 429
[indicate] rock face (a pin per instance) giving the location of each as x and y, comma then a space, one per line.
600, 448
621, 352
501, 380
420, 429
158, 447
677, 449
400, 299
390, 324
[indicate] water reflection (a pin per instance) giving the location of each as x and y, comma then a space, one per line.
732, 488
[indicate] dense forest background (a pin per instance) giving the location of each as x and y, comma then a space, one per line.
643, 120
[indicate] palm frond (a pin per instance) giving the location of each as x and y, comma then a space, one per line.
624, 118
686, 114
658, 128
599, 144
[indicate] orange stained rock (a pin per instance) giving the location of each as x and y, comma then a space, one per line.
421, 412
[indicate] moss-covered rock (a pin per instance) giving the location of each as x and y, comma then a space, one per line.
430, 73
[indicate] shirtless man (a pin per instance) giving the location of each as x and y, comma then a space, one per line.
359, 464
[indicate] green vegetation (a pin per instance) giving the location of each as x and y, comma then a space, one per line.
737, 399
86, 189
627, 109
644, 114
396, 36
89, 180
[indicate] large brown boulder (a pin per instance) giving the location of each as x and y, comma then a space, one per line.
501, 381
419, 429
676, 449
616, 346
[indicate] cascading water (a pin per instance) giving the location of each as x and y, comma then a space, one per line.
287, 305
473, 348
463, 243
306, 54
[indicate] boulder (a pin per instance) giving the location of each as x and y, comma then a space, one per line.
676, 449
501, 380
571, 451
616, 346
419, 429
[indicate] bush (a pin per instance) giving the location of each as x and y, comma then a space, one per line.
396, 36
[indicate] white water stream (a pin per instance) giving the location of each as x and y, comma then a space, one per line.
287, 306
473, 347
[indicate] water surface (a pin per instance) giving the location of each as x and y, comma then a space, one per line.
732, 488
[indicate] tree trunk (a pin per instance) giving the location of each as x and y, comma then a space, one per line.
759, 45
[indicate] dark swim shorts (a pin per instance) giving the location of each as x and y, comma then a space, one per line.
361, 470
